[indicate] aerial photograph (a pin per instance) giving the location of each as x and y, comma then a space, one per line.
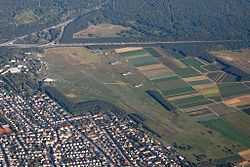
124, 83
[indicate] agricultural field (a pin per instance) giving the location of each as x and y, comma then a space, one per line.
101, 30
205, 86
124, 50
240, 101
222, 109
227, 130
187, 72
214, 66
194, 62
176, 110
82, 75
229, 90
240, 58
235, 117
239, 120
203, 114
221, 77
199, 89
153, 52
175, 53
215, 76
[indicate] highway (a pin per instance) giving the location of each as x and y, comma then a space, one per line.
49, 45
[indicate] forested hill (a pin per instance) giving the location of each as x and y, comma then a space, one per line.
175, 19
21, 17
164, 19
185, 19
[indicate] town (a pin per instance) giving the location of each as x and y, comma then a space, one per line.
36, 131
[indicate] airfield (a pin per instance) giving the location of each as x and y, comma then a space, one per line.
209, 122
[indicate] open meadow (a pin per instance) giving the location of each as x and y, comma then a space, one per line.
240, 58
100, 30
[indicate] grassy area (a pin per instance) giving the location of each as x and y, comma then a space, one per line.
233, 158
214, 67
194, 63
205, 117
175, 53
153, 52
222, 109
143, 60
201, 82
133, 53
233, 89
198, 112
239, 120
89, 76
188, 100
186, 72
179, 91
203, 141
210, 92
173, 84
165, 79
227, 130
99, 80
101, 30
195, 104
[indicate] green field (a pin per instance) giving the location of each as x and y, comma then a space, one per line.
152, 52
199, 112
133, 53
189, 100
195, 104
159, 77
213, 67
222, 109
239, 120
143, 60
186, 72
190, 61
215, 75
227, 130
176, 54
173, 84
201, 82
165, 79
179, 91
229, 78
204, 141
83, 76
205, 117
216, 98
233, 89
233, 158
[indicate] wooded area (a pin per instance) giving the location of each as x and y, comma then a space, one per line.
158, 19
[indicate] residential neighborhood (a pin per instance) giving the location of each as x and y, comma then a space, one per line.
36, 131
